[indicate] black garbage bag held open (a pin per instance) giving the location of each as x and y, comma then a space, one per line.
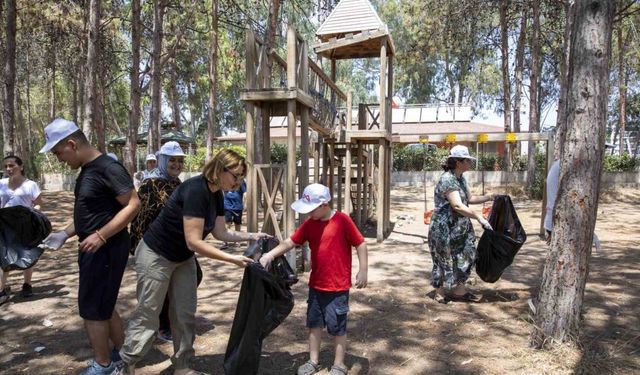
21, 231
498, 247
265, 301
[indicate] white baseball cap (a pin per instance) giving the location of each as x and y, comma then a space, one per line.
171, 148
151, 157
461, 152
56, 131
313, 196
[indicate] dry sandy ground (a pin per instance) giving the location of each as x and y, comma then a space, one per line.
394, 328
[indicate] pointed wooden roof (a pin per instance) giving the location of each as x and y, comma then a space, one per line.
353, 30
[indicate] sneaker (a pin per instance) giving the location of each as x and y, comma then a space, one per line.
4, 295
97, 369
164, 336
115, 357
27, 290
124, 369
224, 246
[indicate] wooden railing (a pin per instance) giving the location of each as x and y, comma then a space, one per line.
304, 74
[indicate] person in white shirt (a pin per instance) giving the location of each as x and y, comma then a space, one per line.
17, 190
553, 184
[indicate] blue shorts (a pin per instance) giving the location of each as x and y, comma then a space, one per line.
328, 309
233, 216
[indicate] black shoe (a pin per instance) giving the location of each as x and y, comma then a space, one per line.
27, 290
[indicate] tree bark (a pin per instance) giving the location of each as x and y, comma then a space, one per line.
92, 117
213, 81
153, 139
8, 113
517, 90
131, 145
262, 149
565, 273
622, 88
561, 123
174, 97
506, 83
534, 109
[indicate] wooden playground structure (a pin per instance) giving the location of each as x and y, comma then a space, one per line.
343, 155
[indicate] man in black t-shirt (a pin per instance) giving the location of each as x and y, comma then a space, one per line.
105, 203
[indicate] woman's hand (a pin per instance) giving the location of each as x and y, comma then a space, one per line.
258, 236
241, 260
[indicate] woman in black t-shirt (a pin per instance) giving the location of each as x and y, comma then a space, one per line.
165, 261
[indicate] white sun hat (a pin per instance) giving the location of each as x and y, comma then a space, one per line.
56, 131
313, 196
150, 157
461, 152
171, 148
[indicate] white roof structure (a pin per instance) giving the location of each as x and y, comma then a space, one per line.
351, 16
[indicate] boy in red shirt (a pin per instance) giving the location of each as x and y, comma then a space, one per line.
330, 234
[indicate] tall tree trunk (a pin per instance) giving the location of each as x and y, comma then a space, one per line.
52, 88
565, 273
153, 139
272, 27
130, 146
92, 117
174, 97
213, 81
622, 88
506, 83
517, 90
8, 113
561, 123
534, 77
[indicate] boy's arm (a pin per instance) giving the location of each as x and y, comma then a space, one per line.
361, 277
282, 248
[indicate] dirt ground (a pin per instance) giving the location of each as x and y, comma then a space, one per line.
394, 327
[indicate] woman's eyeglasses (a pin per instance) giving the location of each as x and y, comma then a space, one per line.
236, 177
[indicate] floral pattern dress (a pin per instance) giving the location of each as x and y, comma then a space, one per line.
451, 237
153, 194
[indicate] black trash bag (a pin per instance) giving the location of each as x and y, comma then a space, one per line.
21, 231
280, 268
499, 246
265, 301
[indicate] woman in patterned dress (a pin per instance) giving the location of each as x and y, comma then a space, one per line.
154, 191
17, 190
451, 237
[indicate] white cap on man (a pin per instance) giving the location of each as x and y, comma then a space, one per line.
461, 152
150, 157
312, 197
171, 148
112, 156
56, 131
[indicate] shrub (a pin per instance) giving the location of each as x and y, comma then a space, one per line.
617, 163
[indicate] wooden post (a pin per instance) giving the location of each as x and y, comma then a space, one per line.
252, 185
290, 184
389, 144
359, 188
382, 152
347, 158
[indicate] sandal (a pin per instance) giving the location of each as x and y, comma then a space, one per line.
338, 370
309, 368
440, 298
467, 297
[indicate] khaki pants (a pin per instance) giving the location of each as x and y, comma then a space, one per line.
157, 276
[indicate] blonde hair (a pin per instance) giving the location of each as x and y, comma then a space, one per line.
225, 159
